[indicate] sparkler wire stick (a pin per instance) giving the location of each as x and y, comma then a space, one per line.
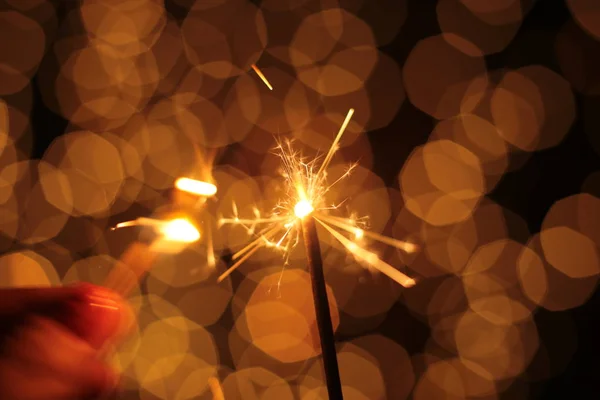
321, 301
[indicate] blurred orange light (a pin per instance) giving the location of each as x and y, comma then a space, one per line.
193, 186
180, 230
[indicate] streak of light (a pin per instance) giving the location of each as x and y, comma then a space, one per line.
262, 76
199, 188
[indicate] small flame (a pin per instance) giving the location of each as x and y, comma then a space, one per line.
175, 230
179, 230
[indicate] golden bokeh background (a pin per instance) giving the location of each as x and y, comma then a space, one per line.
468, 120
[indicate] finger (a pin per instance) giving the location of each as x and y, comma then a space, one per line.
21, 300
100, 317
49, 348
94, 313
97, 379
44, 343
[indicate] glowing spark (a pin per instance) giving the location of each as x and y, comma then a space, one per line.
210, 248
350, 227
248, 221
369, 258
262, 76
336, 141
306, 186
238, 263
138, 222
199, 188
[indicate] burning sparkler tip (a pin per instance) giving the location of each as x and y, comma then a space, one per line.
303, 208
180, 230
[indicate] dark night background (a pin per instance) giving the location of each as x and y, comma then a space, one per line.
545, 177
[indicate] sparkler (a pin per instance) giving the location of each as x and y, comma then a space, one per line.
306, 184
139, 257
303, 205
173, 235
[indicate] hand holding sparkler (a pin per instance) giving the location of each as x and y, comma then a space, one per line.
51, 337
